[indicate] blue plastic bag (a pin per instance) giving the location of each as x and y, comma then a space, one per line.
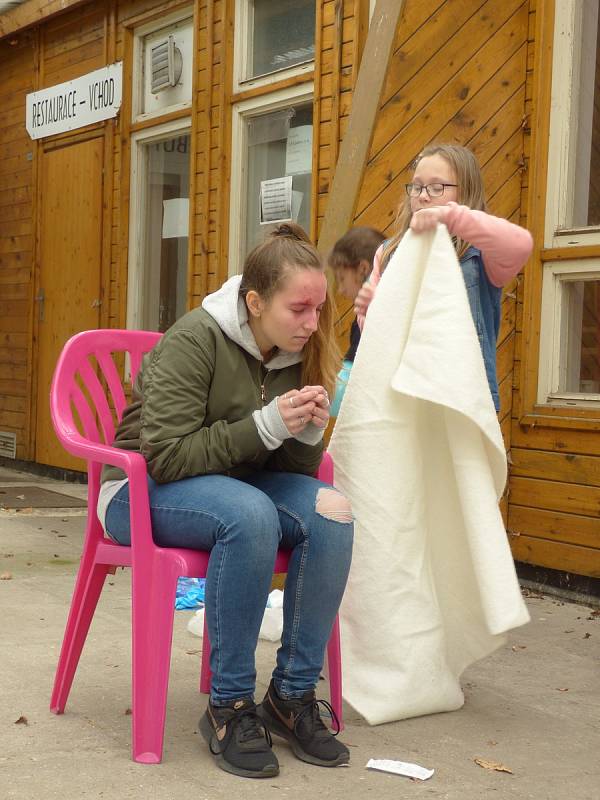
190, 593
340, 387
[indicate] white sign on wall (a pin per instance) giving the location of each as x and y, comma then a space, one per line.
82, 101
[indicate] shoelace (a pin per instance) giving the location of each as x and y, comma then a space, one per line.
249, 724
313, 709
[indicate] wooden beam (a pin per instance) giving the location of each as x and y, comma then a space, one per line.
354, 150
32, 12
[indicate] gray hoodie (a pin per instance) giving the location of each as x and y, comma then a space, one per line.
230, 312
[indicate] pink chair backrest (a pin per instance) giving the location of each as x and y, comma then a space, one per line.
86, 359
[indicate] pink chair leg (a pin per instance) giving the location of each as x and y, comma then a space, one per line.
334, 660
205, 673
153, 611
88, 587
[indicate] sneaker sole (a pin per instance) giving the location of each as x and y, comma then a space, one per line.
280, 730
208, 734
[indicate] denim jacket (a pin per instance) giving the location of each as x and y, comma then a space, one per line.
484, 300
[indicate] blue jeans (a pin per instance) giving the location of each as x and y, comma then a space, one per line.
243, 523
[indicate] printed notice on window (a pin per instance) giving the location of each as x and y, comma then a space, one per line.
276, 200
298, 150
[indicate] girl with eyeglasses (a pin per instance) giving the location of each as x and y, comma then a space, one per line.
447, 187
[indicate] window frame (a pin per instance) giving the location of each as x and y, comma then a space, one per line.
240, 112
242, 29
551, 355
563, 130
136, 282
137, 84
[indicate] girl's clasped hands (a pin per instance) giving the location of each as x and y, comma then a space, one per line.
298, 407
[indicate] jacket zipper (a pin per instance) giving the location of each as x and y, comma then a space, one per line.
262, 379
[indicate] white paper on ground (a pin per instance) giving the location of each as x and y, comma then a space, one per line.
275, 599
271, 627
400, 768
196, 623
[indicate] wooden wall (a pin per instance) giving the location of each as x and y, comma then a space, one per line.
554, 486
17, 231
212, 135
457, 74
467, 71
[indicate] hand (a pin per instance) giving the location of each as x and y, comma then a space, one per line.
426, 219
363, 299
320, 415
296, 408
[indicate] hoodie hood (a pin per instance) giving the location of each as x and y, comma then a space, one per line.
228, 309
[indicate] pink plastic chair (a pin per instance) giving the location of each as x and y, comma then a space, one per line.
85, 360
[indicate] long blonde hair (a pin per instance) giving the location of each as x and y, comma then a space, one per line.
470, 192
265, 270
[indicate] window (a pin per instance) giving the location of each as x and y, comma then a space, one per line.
158, 251
152, 52
569, 369
570, 347
273, 39
573, 206
271, 167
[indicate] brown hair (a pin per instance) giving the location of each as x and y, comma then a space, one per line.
470, 191
265, 270
359, 244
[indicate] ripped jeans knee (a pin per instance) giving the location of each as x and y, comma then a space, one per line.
333, 505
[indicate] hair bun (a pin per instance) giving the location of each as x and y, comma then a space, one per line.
291, 230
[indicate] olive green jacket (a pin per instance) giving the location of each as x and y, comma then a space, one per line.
192, 404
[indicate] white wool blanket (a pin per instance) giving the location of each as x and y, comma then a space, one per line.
418, 450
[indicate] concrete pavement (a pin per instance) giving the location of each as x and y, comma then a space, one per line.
533, 706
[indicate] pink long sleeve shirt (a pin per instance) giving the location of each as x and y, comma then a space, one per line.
504, 246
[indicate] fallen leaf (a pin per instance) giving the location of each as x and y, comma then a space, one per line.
595, 612
20, 497
127, 712
493, 765
6, 576
516, 647
586, 635
562, 690
21, 721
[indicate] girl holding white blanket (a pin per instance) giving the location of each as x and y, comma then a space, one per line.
419, 452
447, 187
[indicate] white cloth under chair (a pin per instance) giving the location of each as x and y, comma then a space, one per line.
418, 450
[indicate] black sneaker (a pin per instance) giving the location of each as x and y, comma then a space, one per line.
239, 740
298, 720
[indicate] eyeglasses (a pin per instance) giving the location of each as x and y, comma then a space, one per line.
432, 189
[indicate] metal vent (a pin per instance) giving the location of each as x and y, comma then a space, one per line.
8, 444
167, 65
